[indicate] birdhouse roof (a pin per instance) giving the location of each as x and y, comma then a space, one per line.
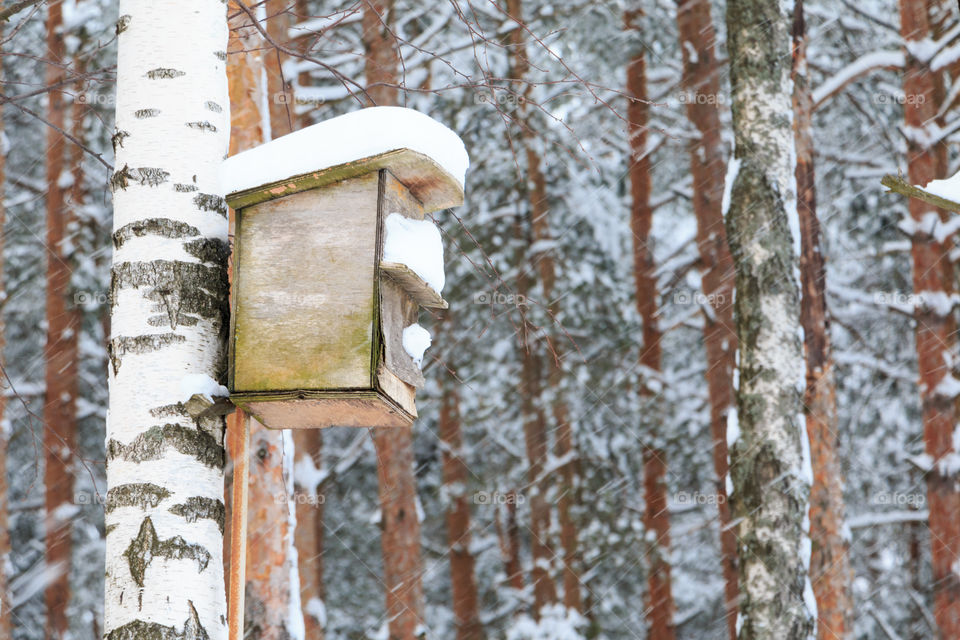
423, 154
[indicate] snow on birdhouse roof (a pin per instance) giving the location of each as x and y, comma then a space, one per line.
425, 155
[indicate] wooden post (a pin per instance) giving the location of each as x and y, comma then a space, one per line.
238, 526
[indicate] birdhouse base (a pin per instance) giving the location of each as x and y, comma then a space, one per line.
316, 410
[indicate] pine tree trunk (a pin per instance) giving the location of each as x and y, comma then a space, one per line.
169, 319
399, 520
63, 326
536, 437
508, 534
935, 328
6, 621
466, 611
660, 606
701, 82
268, 597
830, 571
769, 459
309, 534
280, 99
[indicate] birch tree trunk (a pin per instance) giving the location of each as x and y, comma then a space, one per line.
701, 82
933, 280
466, 611
830, 571
399, 519
164, 512
656, 518
769, 460
59, 409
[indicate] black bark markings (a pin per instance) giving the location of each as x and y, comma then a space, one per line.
222, 55
199, 507
163, 227
202, 126
213, 106
145, 495
148, 343
142, 630
184, 292
143, 114
184, 188
117, 138
162, 73
148, 545
145, 176
211, 202
152, 443
123, 22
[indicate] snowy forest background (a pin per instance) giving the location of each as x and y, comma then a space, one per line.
456, 67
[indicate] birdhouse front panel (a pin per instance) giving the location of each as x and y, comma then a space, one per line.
305, 291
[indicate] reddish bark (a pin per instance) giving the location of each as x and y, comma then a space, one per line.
830, 571
660, 605
701, 81
308, 443
463, 579
280, 99
534, 417
268, 597
268, 590
59, 411
400, 540
508, 535
934, 330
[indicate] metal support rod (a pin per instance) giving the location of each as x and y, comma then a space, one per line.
238, 527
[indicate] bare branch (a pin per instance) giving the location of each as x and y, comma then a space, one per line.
901, 186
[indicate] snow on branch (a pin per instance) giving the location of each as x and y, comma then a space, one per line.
859, 67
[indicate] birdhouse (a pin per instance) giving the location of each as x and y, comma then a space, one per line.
332, 261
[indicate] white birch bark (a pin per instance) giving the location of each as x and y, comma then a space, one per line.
164, 511
770, 464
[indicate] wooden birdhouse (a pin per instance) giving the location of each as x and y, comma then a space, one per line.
320, 318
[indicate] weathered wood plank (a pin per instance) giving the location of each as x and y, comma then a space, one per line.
305, 287
421, 293
427, 180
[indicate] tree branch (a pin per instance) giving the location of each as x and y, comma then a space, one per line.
15, 8
901, 186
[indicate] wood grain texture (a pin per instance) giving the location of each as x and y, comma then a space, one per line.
305, 288
334, 409
414, 286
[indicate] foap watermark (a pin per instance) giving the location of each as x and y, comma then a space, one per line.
97, 99
699, 298
498, 497
499, 298
898, 499
301, 498
698, 498
899, 98
502, 98
91, 298
900, 299
297, 101
709, 99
